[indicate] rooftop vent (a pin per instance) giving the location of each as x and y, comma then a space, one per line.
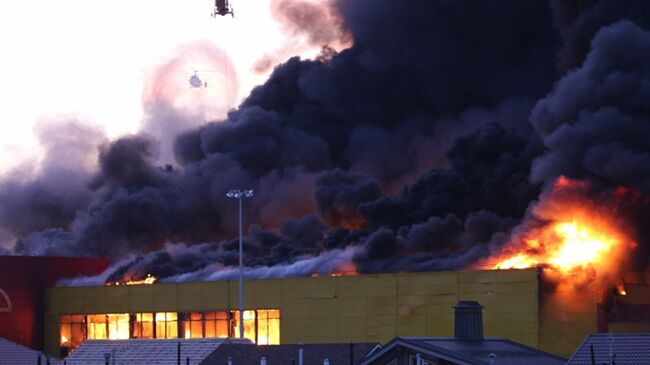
468, 324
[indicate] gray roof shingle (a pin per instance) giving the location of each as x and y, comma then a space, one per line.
12, 353
474, 352
147, 351
313, 354
626, 348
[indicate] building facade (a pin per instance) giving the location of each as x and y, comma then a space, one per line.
343, 309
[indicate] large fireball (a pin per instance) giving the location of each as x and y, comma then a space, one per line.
572, 236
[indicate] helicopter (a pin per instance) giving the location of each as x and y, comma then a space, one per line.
196, 82
222, 7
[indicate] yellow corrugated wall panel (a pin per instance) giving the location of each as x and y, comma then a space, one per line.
165, 303
476, 288
162, 288
570, 317
515, 275
297, 308
413, 279
352, 329
323, 308
340, 309
117, 303
381, 333
214, 301
51, 335
140, 303
140, 290
296, 287
94, 304
477, 277
189, 289
116, 290
69, 300
352, 307
191, 302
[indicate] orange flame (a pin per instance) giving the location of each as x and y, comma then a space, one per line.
620, 288
564, 246
581, 239
150, 279
345, 269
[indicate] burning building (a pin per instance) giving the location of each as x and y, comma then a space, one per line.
519, 305
509, 137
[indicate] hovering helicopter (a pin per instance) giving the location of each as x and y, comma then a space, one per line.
196, 82
222, 7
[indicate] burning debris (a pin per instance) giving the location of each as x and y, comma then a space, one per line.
419, 147
149, 279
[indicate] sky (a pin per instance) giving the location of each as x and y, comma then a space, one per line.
89, 60
432, 142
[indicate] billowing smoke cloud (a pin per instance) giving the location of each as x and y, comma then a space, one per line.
596, 122
410, 150
172, 105
47, 192
578, 22
310, 24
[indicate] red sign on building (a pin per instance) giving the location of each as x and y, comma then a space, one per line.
23, 280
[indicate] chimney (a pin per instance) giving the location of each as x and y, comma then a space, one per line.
468, 324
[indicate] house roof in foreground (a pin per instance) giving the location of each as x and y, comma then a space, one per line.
625, 348
472, 352
12, 353
148, 351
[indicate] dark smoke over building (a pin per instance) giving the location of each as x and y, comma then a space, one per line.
420, 147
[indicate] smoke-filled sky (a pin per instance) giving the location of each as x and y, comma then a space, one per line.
92, 60
421, 135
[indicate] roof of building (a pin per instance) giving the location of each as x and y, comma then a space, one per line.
472, 352
12, 353
625, 348
284, 354
147, 351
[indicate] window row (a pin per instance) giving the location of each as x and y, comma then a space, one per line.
262, 326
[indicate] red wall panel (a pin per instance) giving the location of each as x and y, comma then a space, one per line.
24, 279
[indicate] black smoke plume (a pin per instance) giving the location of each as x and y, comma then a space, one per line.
410, 150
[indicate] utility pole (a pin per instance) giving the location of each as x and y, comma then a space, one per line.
240, 195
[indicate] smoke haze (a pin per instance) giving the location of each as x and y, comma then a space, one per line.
421, 146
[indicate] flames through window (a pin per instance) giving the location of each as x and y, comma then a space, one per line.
262, 326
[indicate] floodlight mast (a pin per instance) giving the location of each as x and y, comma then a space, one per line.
240, 195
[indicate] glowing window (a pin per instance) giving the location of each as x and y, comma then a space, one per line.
268, 327
143, 325
166, 325
97, 328
193, 325
118, 326
216, 324
72, 332
249, 324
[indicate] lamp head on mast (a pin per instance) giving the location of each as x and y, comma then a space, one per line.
239, 194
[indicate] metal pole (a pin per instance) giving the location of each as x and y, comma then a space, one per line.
241, 273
